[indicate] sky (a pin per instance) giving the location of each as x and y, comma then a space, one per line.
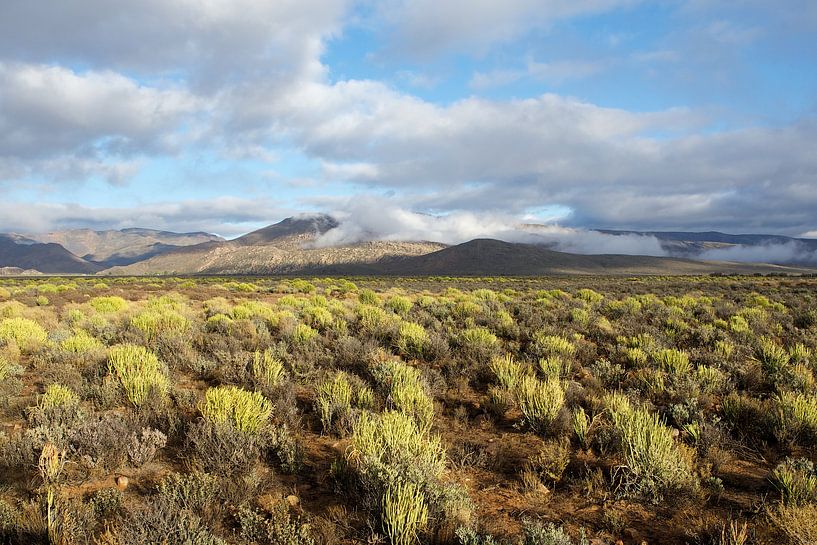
228, 115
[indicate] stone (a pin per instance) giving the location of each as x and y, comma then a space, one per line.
122, 482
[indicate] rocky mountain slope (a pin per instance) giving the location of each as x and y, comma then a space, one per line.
111, 248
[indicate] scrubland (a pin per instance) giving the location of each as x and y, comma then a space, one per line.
472, 411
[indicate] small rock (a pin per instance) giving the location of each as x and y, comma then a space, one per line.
293, 501
122, 482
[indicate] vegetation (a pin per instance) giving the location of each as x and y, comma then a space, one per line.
401, 411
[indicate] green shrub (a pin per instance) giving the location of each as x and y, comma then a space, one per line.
155, 321
404, 513
81, 343
26, 334
772, 357
267, 369
368, 297
551, 345
674, 362
57, 396
412, 339
407, 391
796, 480
302, 334
399, 304
138, 371
108, 305
334, 402
390, 447
555, 367
507, 371
797, 417
654, 464
478, 338
540, 402
247, 411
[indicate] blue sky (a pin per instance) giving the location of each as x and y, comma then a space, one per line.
227, 115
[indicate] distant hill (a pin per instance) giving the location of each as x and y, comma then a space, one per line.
488, 257
694, 244
283, 248
291, 231
111, 248
23, 253
291, 246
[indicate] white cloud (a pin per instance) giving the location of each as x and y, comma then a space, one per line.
225, 216
71, 125
423, 28
379, 219
554, 73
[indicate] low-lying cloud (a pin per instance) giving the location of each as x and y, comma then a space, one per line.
790, 252
374, 219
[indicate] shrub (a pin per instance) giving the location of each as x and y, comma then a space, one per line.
142, 446
797, 522
581, 426
302, 334
282, 528
26, 334
108, 305
334, 402
247, 411
508, 372
478, 338
551, 345
406, 390
412, 339
540, 402
772, 357
653, 463
138, 371
368, 297
160, 320
57, 396
80, 343
268, 369
555, 367
399, 305
404, 513
390, 447
796, 417
796, 480
674, 362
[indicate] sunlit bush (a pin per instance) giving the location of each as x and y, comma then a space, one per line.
27, 334
247, 411
138, 371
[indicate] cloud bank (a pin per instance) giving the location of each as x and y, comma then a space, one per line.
376, 219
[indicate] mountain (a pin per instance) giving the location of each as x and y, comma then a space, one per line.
24, 253
111, 248
283, 248
293, 231
695, 244
488, 257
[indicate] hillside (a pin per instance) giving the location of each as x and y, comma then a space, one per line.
25, 254
123, 247
489, 257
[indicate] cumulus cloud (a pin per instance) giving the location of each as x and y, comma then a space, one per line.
225, 216
422, 28
378, 219
71, 125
